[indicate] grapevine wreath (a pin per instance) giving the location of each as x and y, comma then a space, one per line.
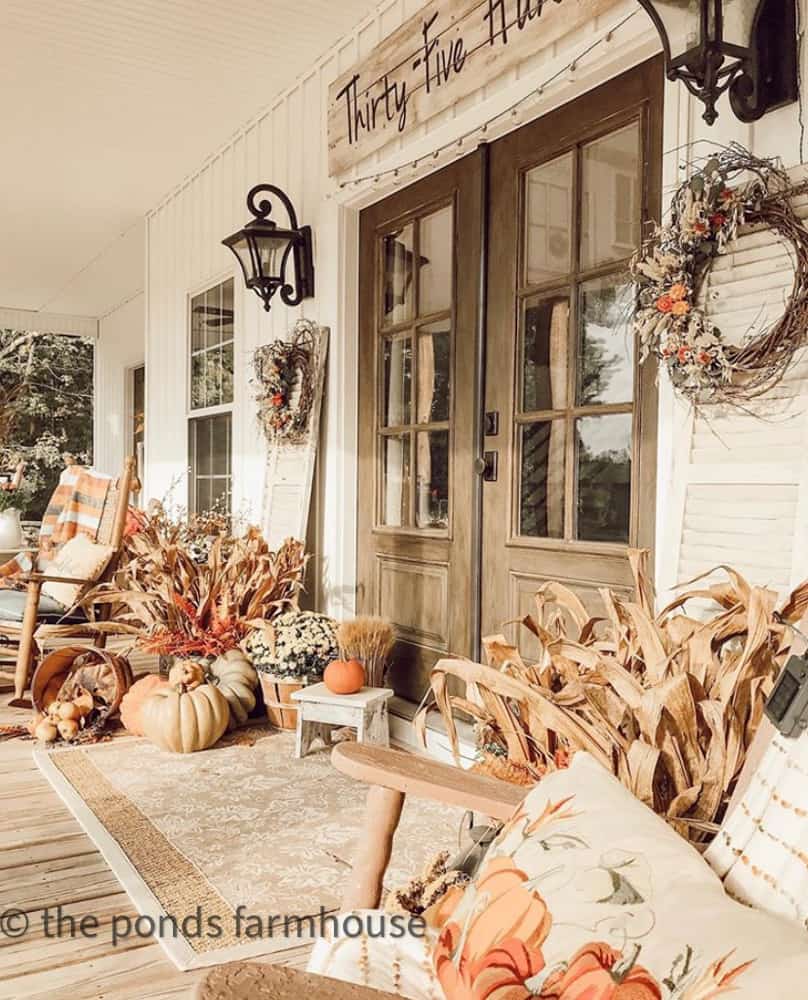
733, 189
284, 377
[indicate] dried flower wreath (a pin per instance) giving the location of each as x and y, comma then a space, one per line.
733, 189
285, 379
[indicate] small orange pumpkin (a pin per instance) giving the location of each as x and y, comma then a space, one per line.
133, 701
344, 676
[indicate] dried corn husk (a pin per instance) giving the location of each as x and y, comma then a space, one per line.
669, 703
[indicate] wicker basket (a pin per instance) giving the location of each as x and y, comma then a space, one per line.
281, 710
59, 665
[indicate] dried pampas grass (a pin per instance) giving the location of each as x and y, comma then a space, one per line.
369, 640
669, 703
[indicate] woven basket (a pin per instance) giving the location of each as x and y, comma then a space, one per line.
281, 710
58, 666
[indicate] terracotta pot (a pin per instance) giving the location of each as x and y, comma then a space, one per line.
281, 710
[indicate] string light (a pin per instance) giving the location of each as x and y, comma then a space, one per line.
513, 111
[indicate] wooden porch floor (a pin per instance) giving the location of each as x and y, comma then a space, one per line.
46, 860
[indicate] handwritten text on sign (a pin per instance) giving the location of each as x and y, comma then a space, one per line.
447, 50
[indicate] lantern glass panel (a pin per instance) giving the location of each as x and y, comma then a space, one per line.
242, 250
682, 22
270, 254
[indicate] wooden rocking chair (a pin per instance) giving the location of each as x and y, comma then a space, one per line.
13, 477
37, 625
391, 775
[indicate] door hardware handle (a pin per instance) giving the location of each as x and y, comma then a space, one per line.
488, 466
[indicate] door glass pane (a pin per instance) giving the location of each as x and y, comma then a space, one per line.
210, 451
397, 256
548, 223
603, 477
541, 480
610, 199
434, 367
544, 353
605, 363
397, 382
435, 260
432, 492
396, 480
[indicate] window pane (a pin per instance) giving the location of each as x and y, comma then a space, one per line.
541, 481
227, 373
397, 382
227, 310
435, 261
434, 373
210, 454
396, 480
603, 477
198, 385
544, 353
397, 250
432, 493
610, 199
605, 342
548, 223
198, 322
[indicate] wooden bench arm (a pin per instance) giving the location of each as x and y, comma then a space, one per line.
427, 779
392, 774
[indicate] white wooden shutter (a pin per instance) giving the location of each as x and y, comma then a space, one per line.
740, 478
290, 470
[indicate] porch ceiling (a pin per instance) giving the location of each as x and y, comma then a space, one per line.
106, 104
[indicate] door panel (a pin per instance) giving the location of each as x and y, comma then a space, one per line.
569, 195
418, 419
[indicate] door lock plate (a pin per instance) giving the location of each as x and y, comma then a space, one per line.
491, 423
490, 466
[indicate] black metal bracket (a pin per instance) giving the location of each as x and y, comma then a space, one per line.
769, 80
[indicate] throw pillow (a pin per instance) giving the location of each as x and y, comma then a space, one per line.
761, 850
80, 558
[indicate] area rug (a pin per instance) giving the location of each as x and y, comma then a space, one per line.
224, 853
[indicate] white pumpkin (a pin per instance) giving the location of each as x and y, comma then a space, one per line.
185, 721
235, 677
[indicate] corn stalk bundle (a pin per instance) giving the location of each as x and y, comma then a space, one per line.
669, 703
175, 603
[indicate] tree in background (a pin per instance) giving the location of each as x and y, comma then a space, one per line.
46, 407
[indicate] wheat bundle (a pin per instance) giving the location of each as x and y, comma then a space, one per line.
669, 703
369, 640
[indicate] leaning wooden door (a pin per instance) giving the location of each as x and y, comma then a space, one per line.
571, 416
420, 270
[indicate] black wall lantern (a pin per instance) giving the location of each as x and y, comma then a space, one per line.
746, 47
268, 254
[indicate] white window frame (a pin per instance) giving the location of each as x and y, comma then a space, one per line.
200, 413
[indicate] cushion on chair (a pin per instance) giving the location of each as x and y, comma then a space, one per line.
587, 893
12, 608
80, 558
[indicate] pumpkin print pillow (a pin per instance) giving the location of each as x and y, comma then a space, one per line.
587, 895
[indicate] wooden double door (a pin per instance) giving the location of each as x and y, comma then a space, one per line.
507, 432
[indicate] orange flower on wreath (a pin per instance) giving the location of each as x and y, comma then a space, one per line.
499, 944
680, 308
664, 303
598, 972
678, 292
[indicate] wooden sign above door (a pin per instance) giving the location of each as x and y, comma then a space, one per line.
440, 55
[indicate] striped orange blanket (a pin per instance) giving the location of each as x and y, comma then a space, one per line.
75, 508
